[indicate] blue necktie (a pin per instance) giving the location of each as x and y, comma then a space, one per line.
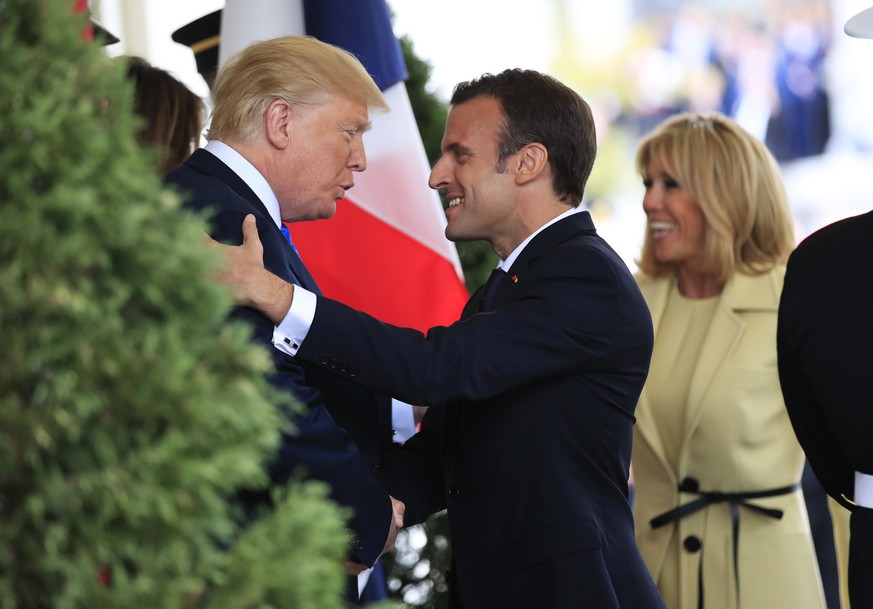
287, 234
298, 269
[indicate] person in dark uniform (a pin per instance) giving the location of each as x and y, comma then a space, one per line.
824, 338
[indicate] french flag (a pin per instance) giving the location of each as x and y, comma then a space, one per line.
385, 252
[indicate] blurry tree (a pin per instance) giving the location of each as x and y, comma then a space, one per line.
130, 410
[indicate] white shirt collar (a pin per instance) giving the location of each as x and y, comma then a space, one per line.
507, 264
251, 176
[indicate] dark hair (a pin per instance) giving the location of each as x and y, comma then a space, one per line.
172, 114
539, 108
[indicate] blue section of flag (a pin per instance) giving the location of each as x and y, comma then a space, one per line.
362, 27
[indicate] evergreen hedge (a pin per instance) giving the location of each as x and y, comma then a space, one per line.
130, 409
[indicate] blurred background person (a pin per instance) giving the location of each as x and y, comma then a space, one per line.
720, 517
172, 114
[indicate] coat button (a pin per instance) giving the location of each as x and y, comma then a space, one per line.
323, 359
692, 544
454, 491
359, 544
689, 485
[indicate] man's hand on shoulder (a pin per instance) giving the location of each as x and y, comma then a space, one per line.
251, 284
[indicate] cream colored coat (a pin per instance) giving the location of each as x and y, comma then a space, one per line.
737, 439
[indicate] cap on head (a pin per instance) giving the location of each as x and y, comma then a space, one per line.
102, 35
861, 25
203, 36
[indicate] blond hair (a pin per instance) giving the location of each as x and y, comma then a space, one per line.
738, 186
294, 68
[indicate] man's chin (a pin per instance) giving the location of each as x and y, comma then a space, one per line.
327, 211
457, 236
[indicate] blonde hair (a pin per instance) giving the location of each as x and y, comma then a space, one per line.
294, 68
738, 186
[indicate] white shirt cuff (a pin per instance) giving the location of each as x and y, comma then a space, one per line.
290, 334
864, 490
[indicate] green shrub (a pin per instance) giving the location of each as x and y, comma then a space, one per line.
130, 410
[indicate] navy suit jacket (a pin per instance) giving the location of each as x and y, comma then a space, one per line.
527, 439
320, 448
824, 342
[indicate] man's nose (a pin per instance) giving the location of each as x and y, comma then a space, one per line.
438, 179
358, 158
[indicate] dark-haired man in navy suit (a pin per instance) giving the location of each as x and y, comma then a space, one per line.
284, 143
531, 395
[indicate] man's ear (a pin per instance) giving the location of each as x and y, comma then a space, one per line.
277, 123
531, 161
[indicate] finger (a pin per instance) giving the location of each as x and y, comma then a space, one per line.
250, 229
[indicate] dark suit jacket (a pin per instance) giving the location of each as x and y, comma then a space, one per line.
825, 351
319, 446
528, 438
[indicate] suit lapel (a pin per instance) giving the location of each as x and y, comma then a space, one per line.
724, 333
543, 242
741, 293
301, 272
208, 163
550, 237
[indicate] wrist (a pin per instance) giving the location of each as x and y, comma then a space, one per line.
274, 297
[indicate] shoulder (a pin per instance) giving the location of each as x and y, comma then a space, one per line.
841, 237
833, 255
199, 190
755, 292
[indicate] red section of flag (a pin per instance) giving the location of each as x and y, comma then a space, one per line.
81, 6
366, 264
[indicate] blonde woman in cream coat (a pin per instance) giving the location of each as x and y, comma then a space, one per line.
720, 517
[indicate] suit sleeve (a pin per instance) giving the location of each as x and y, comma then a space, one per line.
563, 321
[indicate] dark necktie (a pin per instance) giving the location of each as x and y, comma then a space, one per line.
495, 280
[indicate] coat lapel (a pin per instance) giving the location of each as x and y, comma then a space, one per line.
742, 293
725, 331
655, 293
543, 242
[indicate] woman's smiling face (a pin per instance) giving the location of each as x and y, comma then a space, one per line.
676, 223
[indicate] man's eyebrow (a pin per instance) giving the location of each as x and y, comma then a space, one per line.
359, 126
458, 149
